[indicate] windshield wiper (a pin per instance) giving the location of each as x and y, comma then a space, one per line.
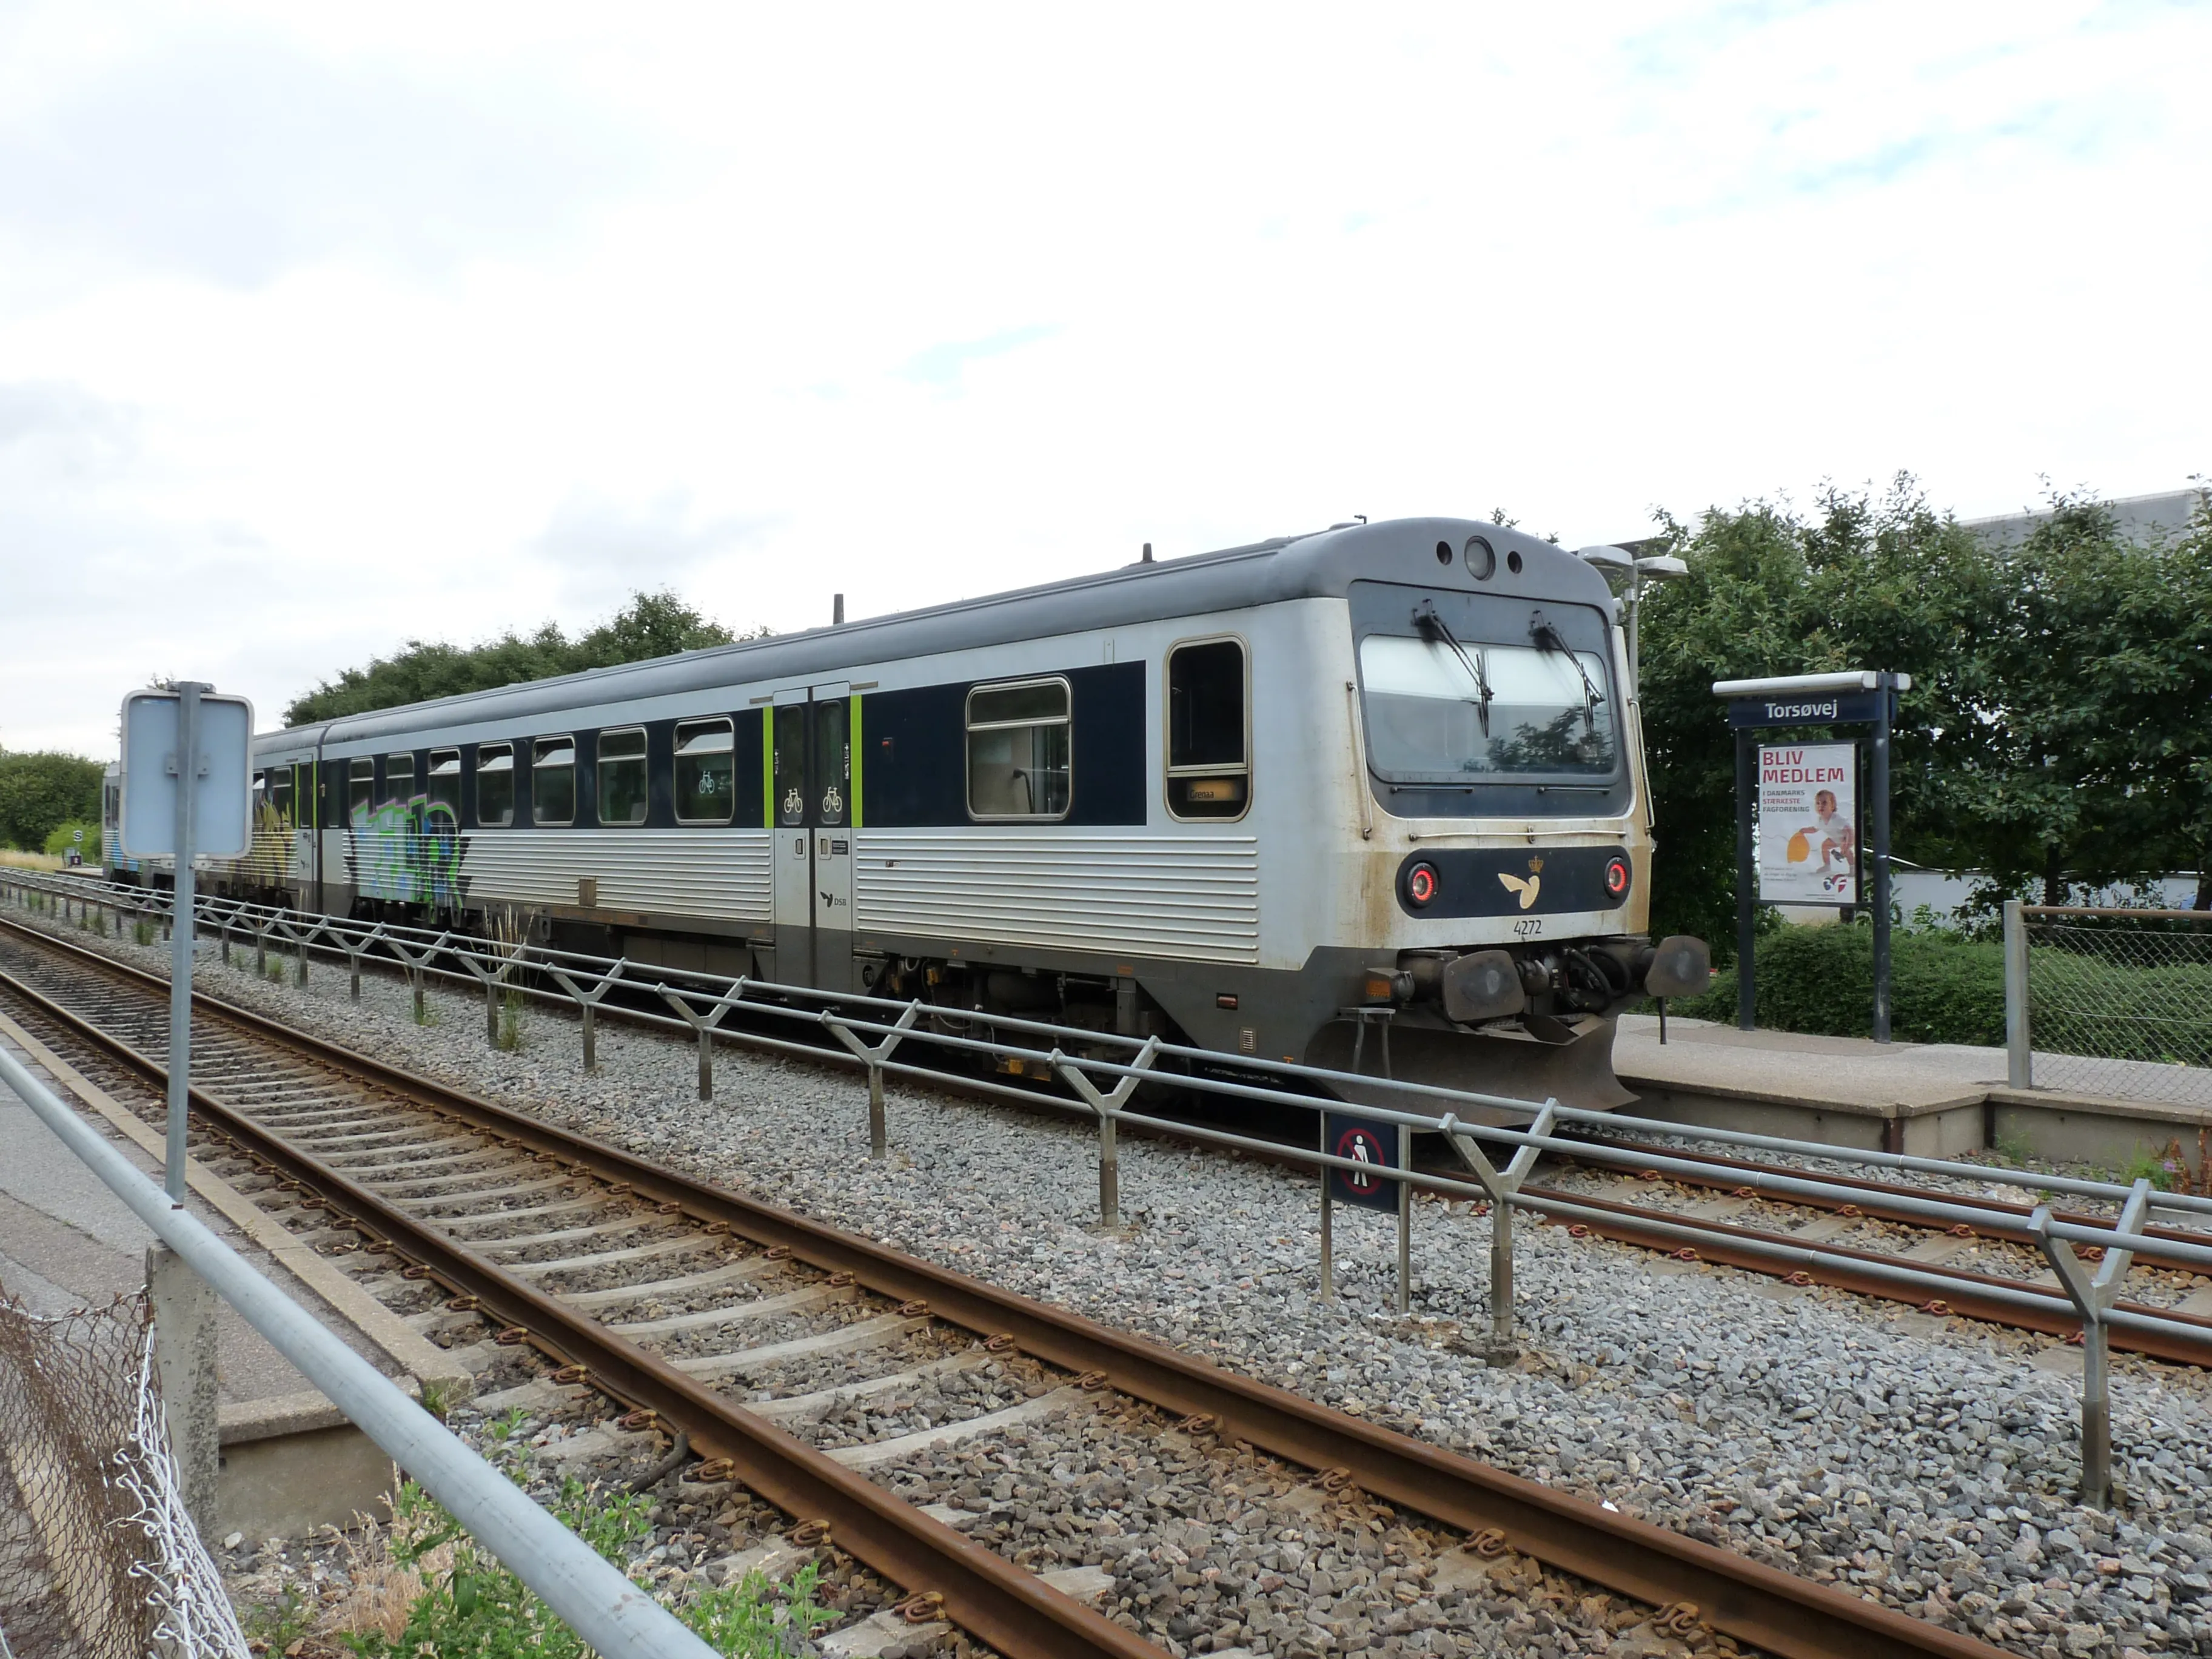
1426, 617
1548, 638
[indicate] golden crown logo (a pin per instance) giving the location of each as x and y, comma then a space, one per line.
1536, 865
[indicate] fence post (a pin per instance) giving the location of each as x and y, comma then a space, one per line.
1105, 1105
2092, 1298
878, 1133
1404, 1220
2020, 1048
185, 1357
1502, 1185
590, 1005
353, 952
492, 982
704, 1025
1327, 1218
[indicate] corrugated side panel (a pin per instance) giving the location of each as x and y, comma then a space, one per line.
717, 873
1196, 897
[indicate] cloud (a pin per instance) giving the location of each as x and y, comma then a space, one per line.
944, 364
600, 546
235, 157
55, 430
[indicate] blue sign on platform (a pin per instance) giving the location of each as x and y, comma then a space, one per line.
1809, 708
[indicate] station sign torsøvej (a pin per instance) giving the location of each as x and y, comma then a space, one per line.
1809, 840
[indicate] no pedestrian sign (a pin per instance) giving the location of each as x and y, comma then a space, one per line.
1808, 842
1365, 1140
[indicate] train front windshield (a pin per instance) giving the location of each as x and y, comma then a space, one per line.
1437, 714
1463, 690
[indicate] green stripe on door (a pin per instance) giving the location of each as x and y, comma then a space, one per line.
853, 737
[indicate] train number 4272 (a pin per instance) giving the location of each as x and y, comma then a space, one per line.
1528, 927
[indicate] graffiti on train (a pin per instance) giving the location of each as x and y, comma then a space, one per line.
408, 853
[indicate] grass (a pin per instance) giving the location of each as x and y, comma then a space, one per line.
141, 932
426, 1589
16, 860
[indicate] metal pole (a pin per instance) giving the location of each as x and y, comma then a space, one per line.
1109, 1172
878, 1133
1404, 1220
2096, 1415
706, 1063
1747, 874
1501, 1283
181, 931
1328, 1241
1885, 691
619, 1620
2020, 1054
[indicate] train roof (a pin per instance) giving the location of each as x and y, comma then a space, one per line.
1320, 564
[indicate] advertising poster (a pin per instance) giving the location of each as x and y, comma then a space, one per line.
1808, 815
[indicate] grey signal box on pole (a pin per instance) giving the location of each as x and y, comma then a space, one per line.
187, 791
222, 778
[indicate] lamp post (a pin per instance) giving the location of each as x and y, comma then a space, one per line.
1627, 573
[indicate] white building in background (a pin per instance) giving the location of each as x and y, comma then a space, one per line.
2140, 517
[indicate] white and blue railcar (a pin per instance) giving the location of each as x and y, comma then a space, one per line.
1234, 798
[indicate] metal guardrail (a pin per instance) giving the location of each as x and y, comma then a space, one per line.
618, 1618
868, 1030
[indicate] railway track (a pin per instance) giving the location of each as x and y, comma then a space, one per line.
1860, 1245
1858, 1237
671, 1297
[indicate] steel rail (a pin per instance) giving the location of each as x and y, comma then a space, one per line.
2160, 1332
1008, 1608
2008, 1221
1748, 1601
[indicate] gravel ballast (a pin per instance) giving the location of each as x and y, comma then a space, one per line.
1930, 1463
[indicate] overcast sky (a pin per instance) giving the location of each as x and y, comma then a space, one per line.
323, 327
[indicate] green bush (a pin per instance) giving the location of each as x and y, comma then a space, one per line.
1942, 988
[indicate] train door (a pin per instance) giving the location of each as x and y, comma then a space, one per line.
810, 776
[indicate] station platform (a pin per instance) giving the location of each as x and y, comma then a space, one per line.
291, 1461
1931, 1100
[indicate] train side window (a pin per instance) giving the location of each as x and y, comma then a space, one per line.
280, 793
553, 780
706, 771
495, 785
1209, 731
445, 784
260, 793
361, 790
399, 778
621, 777
1018, 760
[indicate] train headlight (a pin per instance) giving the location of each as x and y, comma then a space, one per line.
1616, 879
1421, 885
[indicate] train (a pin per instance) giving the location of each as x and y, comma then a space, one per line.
1372, 796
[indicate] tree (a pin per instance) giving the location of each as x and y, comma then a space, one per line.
650, 625
41, 791
2059, 728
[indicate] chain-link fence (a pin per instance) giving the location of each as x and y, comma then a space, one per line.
2111, 1002
98, 1559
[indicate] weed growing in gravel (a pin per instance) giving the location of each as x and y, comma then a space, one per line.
440, 1594
510, 1020
141, 932
277, 1624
